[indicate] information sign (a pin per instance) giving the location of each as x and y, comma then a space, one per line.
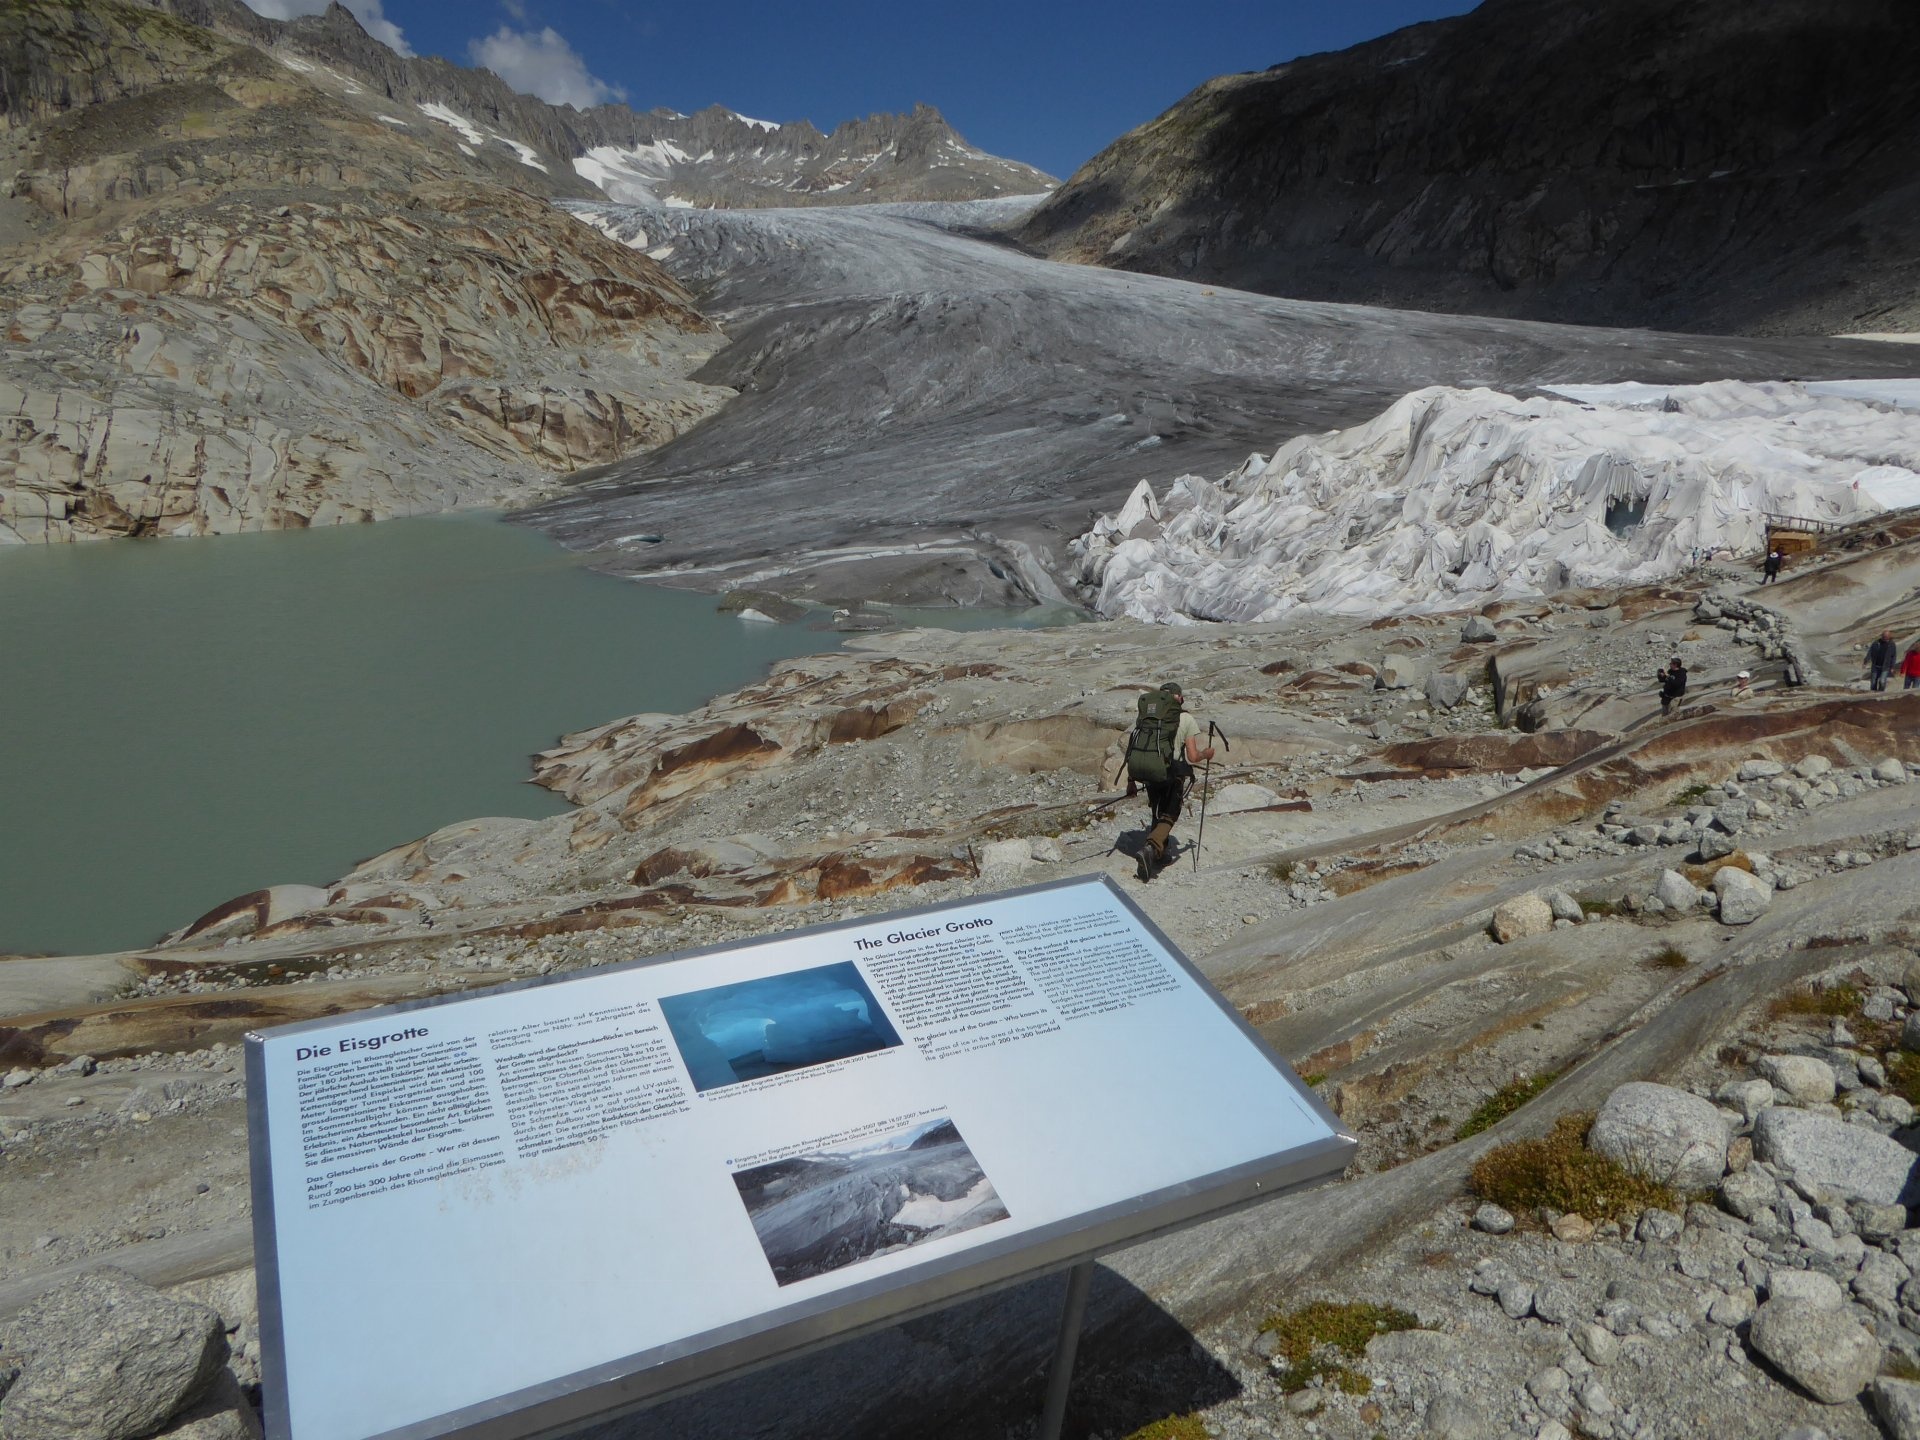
504, 1212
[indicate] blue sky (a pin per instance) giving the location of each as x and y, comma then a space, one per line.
1047, 83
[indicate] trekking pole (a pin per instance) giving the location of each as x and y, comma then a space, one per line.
1206, 792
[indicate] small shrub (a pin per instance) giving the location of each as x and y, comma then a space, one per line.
1558, 1172
1591, 908
1903, 1076
1284, 871
1691, 794
1314, 1339
1174, 1427
1900, 1367
1667, 957
1316, 1079
1841, 1000
1502, 1103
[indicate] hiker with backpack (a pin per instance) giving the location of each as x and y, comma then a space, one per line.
1161, 753
1673, 684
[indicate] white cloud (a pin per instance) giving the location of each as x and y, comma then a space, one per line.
367, 12
541, 62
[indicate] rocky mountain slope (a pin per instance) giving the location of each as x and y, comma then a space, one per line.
1678, 163
1449, 926
242, 298
714, 157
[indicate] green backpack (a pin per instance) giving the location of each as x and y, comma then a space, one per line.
1151, 747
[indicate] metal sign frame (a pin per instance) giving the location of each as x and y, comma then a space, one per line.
664, 1372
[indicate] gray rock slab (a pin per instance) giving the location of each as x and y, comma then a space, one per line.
1446, 691
1897, 1403
223, 1413
110, 1358
1450, 1417
1825, 1352
1808, 1285
1806, 1079
1851, 1160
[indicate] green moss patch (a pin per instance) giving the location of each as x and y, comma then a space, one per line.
1558, 1172
1841, 1000
1316, 1340
1502, 1103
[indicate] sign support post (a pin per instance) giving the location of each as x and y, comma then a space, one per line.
1060, 1373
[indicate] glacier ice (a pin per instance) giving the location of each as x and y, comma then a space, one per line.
1454, 497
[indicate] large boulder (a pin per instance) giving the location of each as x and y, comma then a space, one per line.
1743, 899
1662, 1133
1824, 1351
110, 1358
1398, 672
1520, 917
1444, 691
1855, 1162
1677, 893
1806, 1079
1715, 844
1478, 631
1006, 855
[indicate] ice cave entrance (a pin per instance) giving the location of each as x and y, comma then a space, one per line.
1624, 516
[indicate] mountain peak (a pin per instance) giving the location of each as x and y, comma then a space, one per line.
717, 156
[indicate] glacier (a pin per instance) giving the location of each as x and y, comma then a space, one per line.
1454, 497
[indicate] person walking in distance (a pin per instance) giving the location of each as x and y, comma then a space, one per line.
1881, 656
1772, 572
1743, 685
1161, 753
1673, 684
1910, 667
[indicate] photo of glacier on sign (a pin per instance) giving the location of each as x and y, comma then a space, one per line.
785, 1022
819, 1211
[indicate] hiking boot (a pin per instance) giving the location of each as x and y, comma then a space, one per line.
1147, 862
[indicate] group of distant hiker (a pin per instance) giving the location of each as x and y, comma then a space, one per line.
1884, 662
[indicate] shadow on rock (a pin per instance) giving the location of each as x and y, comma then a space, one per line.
978, 1368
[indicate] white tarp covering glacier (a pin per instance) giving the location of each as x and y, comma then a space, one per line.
1455, 497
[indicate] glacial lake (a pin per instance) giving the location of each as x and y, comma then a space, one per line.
183, 721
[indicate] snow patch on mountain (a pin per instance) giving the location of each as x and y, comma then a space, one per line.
1456, 497
768, 125
628, 174
528, 155
448, 116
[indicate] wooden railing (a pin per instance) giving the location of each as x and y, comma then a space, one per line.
1805, 524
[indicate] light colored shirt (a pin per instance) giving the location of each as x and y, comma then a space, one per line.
1187, 729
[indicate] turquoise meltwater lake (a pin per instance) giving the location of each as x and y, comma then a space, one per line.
183, 721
